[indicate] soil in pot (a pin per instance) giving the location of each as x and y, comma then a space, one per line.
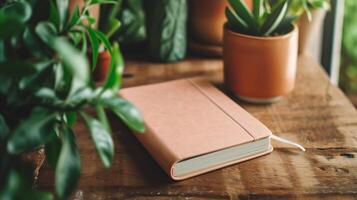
260, 69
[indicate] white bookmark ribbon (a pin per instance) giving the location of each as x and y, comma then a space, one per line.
277, 138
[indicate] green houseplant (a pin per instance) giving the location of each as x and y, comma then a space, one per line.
260, 50
311, 17
45, 84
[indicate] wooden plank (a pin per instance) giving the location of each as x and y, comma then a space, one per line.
316, 114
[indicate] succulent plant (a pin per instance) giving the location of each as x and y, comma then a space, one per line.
267, 18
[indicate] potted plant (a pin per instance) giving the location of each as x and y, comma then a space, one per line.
312, 14
206, 19
45, 85
260, 50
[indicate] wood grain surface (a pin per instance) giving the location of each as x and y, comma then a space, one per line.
316, 114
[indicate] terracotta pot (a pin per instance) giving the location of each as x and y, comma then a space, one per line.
260, 69
93, 10
103, 66
206, 19
309, 29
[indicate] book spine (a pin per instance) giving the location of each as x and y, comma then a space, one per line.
158, 150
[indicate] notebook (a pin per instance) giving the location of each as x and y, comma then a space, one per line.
193, 128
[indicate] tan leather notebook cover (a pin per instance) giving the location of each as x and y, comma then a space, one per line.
189, 118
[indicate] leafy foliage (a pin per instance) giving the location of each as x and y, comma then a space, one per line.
348, 80
167, 29
267, 18
299, 7
45, 83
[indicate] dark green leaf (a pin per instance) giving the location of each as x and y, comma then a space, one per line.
103, 117
101, 138
126, 112
33, 44
95, 46
32, 132
71, 118
275, 18
167, 29
92, 2
54, 15
242, 11
68, 167
52, 150
2, 51
21, 9
235, 23
75, 62
257, 8
9, 26
4, 129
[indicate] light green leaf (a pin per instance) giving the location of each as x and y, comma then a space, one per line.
104, 39
32, 132
68, 167
125, 111
113, 26
47, 32
101, 138
242, 11
62, 6
113, 80
75, 62
75, 17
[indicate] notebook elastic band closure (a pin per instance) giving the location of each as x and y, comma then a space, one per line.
277, 138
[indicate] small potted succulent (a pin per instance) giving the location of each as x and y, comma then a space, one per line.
45, 86
312, 14
260, 50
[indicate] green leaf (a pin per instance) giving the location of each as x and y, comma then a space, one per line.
68, 167
125, 111
75, 17
54, 15
71, 118
113, 26
235, 23
52, 150
2, 51
92, 2
62, 6
21, 9
113, 80
32, 132
95, 46
75, 62
257, 9
4, 129
101, 138
47, 32
33, 44
275, 18
103, 38
103, 117
242, 11
10, 26
167, 33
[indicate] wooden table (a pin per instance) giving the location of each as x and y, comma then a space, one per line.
316, 114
